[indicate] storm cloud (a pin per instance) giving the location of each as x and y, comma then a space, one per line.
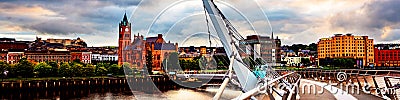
293, 21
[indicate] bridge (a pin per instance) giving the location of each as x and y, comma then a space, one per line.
260, 81
383, 84
367, 84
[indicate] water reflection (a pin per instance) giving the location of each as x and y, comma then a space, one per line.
114, 93
71, 93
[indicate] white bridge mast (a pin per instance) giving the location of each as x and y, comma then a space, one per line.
248, 81
246, 78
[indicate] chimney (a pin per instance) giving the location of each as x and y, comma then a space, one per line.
152, 46
159, 36
176, 46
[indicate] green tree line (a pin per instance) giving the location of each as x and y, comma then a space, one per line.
339, 62
26, 69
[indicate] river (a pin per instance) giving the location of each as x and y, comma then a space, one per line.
115, 93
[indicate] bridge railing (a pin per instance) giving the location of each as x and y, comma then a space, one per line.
361, 78
283, 87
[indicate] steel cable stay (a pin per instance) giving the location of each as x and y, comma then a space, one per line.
251, 82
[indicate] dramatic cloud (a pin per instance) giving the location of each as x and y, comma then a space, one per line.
65, 19
378, 19
297, 21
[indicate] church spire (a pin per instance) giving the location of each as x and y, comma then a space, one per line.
272, 36
125, 19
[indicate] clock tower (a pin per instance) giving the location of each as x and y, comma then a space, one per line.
124, 37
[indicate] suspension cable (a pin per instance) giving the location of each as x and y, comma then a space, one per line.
208, 27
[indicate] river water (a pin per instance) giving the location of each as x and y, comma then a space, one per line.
115, 93
124, 92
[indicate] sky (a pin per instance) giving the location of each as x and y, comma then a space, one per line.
184, 21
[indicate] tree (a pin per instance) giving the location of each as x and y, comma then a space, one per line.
344, 62
312, 47
305, 61
337, 62
88, 70
182, 64
223, 58
149, 62
101, 71
171, 63
194, 64
203, 63
349, 63
24, 68
76, 69
3, 67
223, 61
113, 69
54, 66
127, 69
43, 69
220, 64
121, 70
65, 70
11, 70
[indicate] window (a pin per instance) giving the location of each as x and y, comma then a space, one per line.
126, 35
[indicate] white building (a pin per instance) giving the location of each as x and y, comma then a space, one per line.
293, 61
104, 57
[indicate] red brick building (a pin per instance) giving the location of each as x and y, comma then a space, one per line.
13, 45
159, 50
124, 38
14, 56
387, 57
3, 56
43, 56
141, 48
10, 43
136, 52
83, 56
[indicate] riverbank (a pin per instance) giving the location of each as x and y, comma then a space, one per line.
156, 82
47, 83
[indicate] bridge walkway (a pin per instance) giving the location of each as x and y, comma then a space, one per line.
330, 94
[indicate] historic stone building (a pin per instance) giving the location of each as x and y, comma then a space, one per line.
159, 50
48, 55
124, 38
151, 47
135, 54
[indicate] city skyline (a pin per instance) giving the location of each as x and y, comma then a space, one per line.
98, 20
